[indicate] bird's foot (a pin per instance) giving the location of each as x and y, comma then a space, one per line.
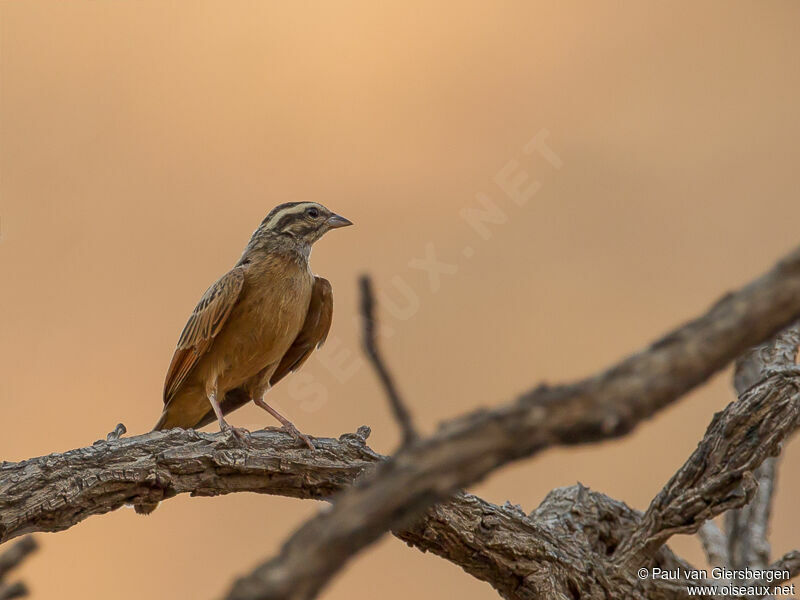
240, 434
295, 433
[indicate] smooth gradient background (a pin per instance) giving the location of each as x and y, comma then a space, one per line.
142, 142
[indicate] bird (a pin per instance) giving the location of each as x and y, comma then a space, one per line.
255, 325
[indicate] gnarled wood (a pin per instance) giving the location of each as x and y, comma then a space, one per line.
465, 450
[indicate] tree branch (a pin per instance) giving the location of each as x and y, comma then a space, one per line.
525, 558
465, 450
9, 560
15, 590
733, 466
719, 474
788, 562
370, 343
512, 552
500, 545
715, 544
747, 528
54, 492
562, 547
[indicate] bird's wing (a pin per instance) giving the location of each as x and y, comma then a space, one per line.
313, 333
205, 323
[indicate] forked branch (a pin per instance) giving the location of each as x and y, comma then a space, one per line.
605, 406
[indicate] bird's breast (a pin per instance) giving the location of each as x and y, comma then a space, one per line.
265, 321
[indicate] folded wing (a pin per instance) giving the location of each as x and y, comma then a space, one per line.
205, 323
313, 333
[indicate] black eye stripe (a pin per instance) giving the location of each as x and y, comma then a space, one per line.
277, 210
284, 221
291, 215
287, 221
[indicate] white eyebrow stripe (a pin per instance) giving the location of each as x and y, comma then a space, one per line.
299, 208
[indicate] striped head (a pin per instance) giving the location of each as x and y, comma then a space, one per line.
297, 224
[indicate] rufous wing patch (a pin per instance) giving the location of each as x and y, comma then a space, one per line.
205, 323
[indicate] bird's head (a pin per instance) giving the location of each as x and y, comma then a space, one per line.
299, 223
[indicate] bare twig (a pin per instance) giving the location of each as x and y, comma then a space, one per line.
9, 560
12, 557
788, 562
747, 528
605, 406
370, 343
118, 432
715, 544
15, 590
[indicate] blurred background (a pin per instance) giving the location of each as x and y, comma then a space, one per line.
633, 160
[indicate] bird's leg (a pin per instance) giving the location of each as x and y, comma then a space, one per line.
238, 432
288, 426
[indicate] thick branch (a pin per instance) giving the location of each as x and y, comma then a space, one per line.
747, 528
54, 492
719, 474
51, 493
522, 557
605, 406
560, 550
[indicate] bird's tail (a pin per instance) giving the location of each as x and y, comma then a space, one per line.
182, 411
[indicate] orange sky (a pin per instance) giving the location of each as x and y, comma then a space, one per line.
142, 142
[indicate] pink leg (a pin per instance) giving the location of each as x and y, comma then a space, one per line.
287, 424
239, 432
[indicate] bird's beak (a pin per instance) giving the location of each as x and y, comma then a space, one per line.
335, 221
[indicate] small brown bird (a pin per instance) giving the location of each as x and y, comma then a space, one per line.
258, 323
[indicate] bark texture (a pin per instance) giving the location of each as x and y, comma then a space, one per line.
57, 491
577, 544
605, 406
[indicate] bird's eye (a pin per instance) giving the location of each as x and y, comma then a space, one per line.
312, 212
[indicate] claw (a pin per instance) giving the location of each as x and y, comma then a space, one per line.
297, 435
288, 427
240, 433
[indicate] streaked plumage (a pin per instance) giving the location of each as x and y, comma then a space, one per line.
258, 323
